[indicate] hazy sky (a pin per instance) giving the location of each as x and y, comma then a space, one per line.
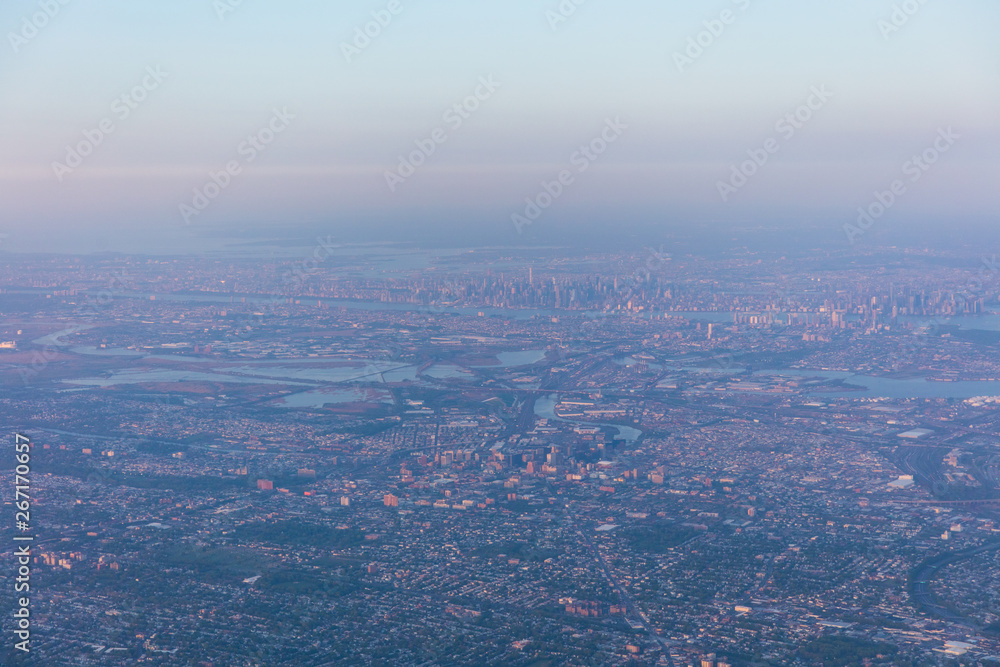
674, 117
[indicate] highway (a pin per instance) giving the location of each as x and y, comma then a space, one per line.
924, 574
634, 612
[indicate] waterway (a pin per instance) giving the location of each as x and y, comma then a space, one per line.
881, 387
317, 398
545, 407
871, 386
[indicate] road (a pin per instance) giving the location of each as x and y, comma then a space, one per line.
633, 609
923, 575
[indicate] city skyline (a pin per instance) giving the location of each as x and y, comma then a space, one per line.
520, 333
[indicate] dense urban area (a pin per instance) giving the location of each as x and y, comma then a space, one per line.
380, 455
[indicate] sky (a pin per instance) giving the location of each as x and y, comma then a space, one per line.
575, 117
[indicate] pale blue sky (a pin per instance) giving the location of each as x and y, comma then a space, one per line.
610, 59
